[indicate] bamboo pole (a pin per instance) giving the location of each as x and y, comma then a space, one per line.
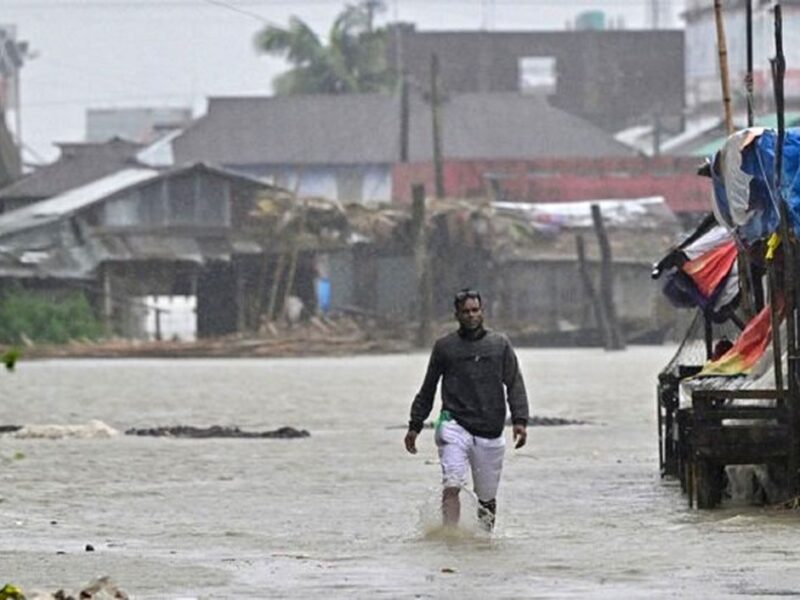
290, 275
280, 265
722, 46
745, 275
748, 80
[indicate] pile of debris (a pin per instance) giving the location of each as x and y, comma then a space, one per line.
318, 336
99, 589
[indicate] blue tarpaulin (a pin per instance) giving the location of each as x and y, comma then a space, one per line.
743, 172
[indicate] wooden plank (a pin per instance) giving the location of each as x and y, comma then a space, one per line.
771, 394
743, 456
741, 444
743, 412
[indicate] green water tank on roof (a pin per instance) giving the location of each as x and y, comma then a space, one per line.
594, 20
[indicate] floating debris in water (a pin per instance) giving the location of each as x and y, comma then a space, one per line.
534, 421
99, 589
90, 430
553, 422
217, 431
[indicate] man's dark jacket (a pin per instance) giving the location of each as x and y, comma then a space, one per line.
474, 369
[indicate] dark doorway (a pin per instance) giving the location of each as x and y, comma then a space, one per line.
216, 300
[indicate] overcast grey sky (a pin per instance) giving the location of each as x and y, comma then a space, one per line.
132, 53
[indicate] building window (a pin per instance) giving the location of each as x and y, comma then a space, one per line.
537, 75
212, 209
349, 184
182, 200
151, 205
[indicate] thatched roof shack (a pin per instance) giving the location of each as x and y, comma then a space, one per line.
522, 255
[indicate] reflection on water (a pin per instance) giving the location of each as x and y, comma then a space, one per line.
346, 512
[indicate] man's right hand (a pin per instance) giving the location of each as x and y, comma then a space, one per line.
411, 441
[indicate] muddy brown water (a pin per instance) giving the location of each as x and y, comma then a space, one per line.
346, 512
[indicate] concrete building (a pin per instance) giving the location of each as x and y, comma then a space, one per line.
611, 78
141, 125
704, 91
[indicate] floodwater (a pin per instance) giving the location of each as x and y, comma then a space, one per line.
347, 512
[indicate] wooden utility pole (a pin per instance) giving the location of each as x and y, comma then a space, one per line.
723, 66
788, 243
438, 167
588, 288
405, 117
371, 6
614, 341
422, 266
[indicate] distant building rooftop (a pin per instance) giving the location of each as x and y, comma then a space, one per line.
365, 129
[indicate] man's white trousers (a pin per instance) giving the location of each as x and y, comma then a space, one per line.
460, 451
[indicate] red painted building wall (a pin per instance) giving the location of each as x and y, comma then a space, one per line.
564, 180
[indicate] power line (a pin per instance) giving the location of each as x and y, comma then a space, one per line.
150, 4
110, 99
241, 11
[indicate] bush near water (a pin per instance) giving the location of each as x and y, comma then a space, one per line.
28, 315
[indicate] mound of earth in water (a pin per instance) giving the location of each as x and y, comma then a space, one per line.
217, 431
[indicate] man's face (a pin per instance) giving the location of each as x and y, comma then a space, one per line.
470, 314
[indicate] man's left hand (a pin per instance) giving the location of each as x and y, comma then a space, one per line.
520, 436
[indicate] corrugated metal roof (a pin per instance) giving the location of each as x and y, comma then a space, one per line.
78, 165
160, 247
51, 246
73, 200
159, 153
357, 129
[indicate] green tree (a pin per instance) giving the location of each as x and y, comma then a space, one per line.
352, 61
26, 314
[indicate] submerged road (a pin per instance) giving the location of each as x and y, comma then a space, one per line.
346, 512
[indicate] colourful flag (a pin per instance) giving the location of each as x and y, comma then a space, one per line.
709, 270
749, 347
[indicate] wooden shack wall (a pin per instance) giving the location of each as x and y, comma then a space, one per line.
549, 294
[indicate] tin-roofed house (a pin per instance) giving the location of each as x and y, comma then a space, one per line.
139, 234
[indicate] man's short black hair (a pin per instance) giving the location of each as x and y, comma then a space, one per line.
462, 296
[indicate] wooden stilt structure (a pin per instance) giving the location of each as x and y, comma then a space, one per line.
746, 426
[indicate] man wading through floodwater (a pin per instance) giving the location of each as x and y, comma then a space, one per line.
475, 364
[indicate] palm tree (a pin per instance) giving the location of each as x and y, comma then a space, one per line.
352, 61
